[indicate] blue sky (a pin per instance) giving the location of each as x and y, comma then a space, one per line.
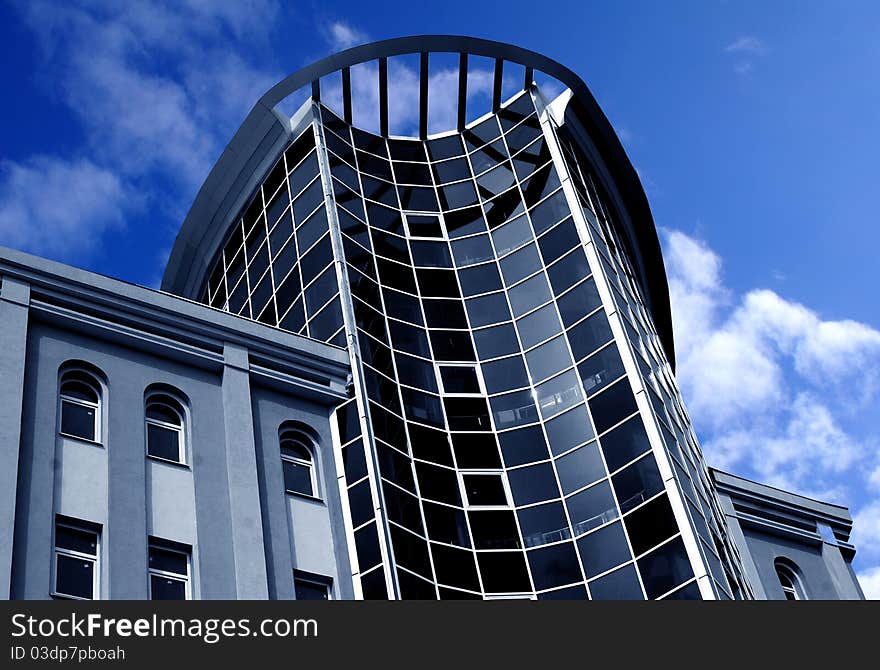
753, 126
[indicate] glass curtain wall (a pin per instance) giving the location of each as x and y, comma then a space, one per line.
504, 444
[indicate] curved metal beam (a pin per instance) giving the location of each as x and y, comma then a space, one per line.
264, 130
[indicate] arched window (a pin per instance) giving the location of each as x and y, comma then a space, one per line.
80, 400
789, 580
164, 417
298, 462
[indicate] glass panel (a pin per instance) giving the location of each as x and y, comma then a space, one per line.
622, 584
467, 413
650, 524
496, 341
297, 478
446, 524
459, 379
558, 241
543, 524
511, 236
554, 566
77, 420
604, 548
444, 314
589, 335
548, 359
163, 442
504, 572
471, 250
591, 508
505, 374
624, 443
524, 445
600, 369
558, 394
430, 254
307, 590
366, 542
438, 483
416, 372
411, 551
455, 567
360, 501
664, 568
637, 483
494, 529
169, 561
520, 264
580, 467
75, 577
487, 309
74, 539
166, 588
513, 409
528, 295
538, 326
612, 405
569, 430
568, 271
533, 484
451, 345
484, 489
476, 450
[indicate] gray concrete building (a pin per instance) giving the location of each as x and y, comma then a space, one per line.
386, 362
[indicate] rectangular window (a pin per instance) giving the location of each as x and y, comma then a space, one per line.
460, 380
169, 571
77, 574
308, 586
424, 225
485, 489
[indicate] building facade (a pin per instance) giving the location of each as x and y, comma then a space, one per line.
510, 426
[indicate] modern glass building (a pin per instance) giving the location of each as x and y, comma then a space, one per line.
392, 359
514, 428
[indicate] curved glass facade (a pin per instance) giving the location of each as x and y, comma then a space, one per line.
515, 429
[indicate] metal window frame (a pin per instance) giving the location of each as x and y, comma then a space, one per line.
78, 555
174, 576
179, 429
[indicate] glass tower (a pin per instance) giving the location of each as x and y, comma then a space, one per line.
514, 429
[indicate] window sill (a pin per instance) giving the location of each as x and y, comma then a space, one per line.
84, 440
305, 496
159, 459
63, 596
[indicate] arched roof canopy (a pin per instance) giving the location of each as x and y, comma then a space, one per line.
265, 131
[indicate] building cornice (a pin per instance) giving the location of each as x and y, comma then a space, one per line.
174, 327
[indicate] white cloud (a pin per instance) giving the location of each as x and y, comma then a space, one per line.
158, 88
343, 36
59, 208
870, 582
769, 383
745, 50
866, 529
746, 44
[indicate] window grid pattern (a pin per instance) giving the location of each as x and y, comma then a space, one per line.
680, 441
277, 265
495, 276
502, 215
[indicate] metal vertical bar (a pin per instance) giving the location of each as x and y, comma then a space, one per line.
496, 89
423, 95
346, 94
462, 90
383, 97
